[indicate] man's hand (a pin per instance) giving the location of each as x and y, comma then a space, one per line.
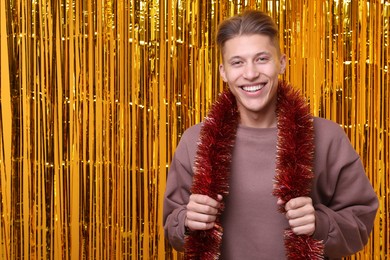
201, 212
301, 215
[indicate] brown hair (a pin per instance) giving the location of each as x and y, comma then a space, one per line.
248, 23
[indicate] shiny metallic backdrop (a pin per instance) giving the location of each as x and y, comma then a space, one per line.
96, 94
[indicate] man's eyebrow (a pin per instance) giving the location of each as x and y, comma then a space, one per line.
256, 55
262, 53
234, 57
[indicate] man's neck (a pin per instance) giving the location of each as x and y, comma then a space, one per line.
258, 121
264, 119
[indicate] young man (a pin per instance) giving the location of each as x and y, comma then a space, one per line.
260, 164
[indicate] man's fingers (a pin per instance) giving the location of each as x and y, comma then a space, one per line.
298, 203
205, 200
299, 212
202, 211
304, 230
204, 204
297, 222
197, 217
301, 215
195, 225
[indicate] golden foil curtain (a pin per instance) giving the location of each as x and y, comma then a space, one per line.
96, 94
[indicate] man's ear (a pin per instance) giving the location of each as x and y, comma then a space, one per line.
282, 64
222, 72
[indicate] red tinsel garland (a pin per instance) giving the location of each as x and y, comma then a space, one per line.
212, 165
294, 165
294, 168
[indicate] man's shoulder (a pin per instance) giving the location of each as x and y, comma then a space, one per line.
325, 125
190, 136
326, 130
192, 132
188, 144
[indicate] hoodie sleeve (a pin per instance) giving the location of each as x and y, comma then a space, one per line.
343, 197
178, 187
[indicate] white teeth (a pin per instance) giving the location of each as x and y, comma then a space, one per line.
253, 88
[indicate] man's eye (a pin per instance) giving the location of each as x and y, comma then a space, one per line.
262, 59
236, 62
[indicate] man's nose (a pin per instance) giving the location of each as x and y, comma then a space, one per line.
250, 71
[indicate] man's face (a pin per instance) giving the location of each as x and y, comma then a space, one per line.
251, 65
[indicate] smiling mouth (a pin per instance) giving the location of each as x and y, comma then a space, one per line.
253, 88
